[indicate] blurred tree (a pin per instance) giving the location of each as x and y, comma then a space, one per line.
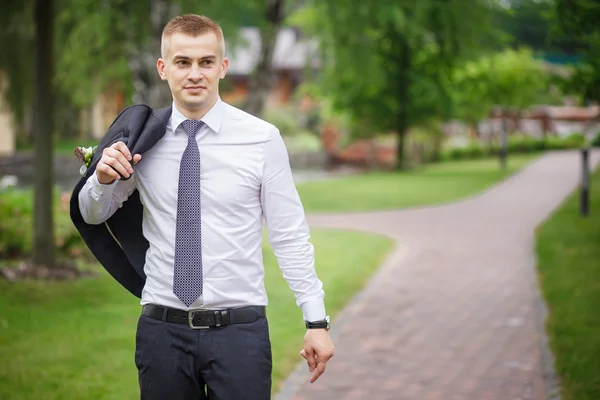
511, 79
16, 60
260, 82
578, 19
22, 25
43, 243
389, 63
529, 23
121, 40
114, 44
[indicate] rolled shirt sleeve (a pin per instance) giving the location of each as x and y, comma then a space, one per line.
288, 231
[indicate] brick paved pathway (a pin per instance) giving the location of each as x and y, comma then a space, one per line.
454, 313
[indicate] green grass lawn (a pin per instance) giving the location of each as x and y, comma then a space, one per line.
568, 249
431, 184
76, 340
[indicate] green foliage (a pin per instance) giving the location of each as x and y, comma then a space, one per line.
568, 250
95, 41
392, 74
16, 216
511, 79
596, 141
579, 20
284, 118
517, 144
91, 42
16, 55
529, 23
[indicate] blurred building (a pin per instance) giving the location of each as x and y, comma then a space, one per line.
292, 56
7, 129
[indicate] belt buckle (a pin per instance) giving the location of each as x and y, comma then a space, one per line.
191, 314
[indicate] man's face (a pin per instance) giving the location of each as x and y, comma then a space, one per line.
193, 67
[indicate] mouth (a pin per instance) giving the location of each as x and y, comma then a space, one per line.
195, 89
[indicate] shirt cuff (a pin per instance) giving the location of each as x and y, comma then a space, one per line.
98, 189
314, 310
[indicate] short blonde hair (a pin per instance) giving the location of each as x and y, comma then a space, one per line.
192, 25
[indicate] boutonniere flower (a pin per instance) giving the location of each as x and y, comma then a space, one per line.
84, 154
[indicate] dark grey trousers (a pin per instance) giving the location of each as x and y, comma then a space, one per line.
226, 363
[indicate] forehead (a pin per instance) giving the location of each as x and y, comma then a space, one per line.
180, 44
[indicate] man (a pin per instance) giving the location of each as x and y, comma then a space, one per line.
205, 187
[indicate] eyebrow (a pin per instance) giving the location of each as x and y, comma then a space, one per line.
180, 57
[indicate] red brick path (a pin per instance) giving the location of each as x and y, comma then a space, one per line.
454, 313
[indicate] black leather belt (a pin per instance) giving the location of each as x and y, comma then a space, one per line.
204, 319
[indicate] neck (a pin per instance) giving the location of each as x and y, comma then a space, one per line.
197, 113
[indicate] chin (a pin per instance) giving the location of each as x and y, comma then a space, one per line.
195, 102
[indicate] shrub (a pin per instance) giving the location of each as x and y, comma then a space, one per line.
285, 119
574, 141
15, 224
474, 151
455, 153
596, 141
525, 144
517, 144
554, 143
16, 227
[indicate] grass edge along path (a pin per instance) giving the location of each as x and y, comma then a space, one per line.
432, 184
568, 269
76, 340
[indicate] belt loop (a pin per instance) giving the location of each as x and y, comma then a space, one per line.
218, 318
225, 318
165, 310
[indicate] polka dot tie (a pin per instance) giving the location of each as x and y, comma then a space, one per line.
187, 277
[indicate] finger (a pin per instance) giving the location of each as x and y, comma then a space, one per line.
120, 155
116, 165
303, 353
137, 158
106, 173
117, 160
318, 371
122, 148
310, 359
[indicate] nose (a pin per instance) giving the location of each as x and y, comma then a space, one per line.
195, 74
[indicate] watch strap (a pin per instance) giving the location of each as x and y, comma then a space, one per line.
321, 324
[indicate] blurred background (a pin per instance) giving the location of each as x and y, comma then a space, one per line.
400, 92
368, 84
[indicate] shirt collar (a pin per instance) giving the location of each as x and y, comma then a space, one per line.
212, 118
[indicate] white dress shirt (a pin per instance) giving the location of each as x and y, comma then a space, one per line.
245, 176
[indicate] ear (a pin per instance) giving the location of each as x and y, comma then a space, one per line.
224, 67
160, 66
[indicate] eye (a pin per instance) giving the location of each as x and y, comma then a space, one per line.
208, 62
181, 62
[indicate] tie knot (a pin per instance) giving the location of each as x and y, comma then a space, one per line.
191, 126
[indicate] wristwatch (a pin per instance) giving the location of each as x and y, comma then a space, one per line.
322, 324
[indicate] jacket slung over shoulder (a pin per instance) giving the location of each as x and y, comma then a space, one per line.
119, 244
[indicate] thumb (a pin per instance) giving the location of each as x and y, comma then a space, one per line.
137, 158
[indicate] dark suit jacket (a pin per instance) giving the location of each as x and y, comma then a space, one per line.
119, 244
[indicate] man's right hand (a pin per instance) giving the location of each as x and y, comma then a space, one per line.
115, 160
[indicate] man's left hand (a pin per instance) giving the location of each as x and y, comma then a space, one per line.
318, 349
